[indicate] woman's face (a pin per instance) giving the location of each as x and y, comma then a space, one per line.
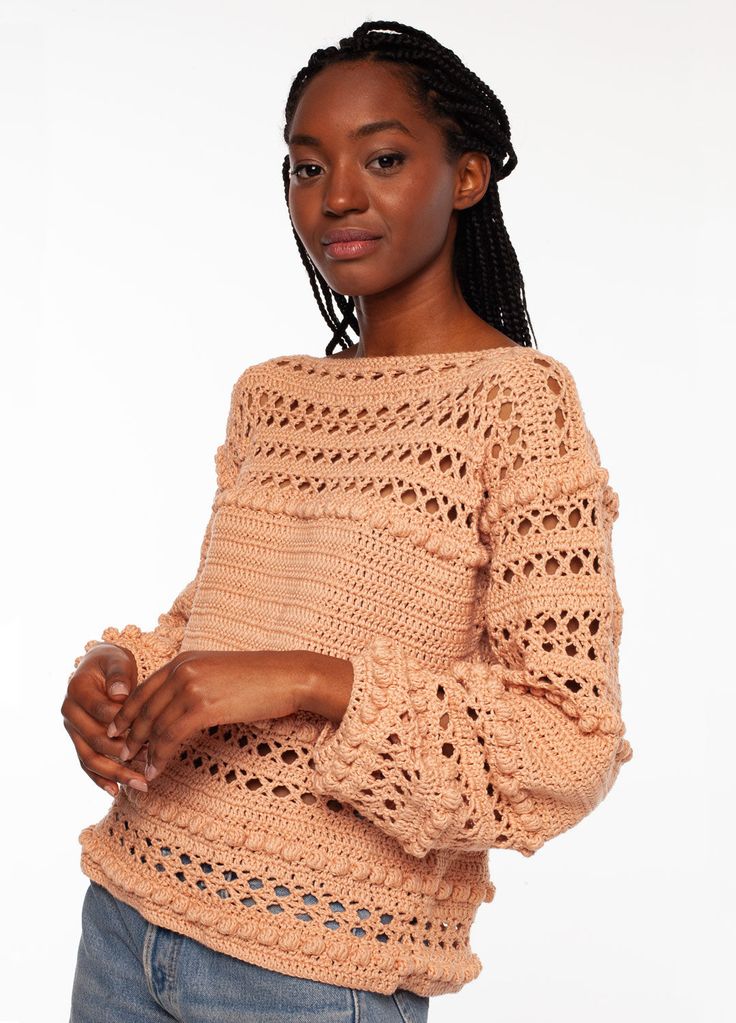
348, 171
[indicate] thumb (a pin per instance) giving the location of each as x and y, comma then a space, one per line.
120, 673
117, 685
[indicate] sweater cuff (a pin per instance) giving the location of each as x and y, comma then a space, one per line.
338, 744
150, 650
379, 757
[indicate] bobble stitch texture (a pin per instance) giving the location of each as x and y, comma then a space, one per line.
444, 523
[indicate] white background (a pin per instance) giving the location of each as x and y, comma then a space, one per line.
146, 258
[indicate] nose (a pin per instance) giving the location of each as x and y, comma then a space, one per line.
343, 191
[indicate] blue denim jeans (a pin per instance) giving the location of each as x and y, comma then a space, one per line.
132, 971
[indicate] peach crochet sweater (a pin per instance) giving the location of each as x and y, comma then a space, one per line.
443, 521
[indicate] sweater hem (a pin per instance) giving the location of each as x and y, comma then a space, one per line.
284, 953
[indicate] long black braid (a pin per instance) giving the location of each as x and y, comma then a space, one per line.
472, 118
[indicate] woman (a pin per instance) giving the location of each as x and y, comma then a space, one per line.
400, 646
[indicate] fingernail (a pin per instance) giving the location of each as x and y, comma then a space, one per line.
112, 730
112, 789
124, 753
136, 783
117, 688
150, 772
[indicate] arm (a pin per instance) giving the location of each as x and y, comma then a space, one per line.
512, 751
155, 648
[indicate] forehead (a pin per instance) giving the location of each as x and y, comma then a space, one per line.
343, 96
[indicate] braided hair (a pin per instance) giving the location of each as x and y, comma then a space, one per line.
471, 117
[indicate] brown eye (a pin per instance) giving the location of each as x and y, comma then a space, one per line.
295, 172
398, 159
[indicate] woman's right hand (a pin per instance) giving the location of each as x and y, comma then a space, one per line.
101, 683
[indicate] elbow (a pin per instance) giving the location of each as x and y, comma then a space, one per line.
549, 804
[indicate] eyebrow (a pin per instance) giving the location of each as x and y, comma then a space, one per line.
359, 133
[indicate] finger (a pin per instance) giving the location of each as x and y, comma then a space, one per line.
141, 729
130, 710
138, 763
104, 783
103, 767
92, 733
172, 727
95, 702
108, 786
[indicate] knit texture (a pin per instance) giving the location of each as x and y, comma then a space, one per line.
444, 523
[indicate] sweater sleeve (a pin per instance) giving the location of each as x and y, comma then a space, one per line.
519, 742
152, 649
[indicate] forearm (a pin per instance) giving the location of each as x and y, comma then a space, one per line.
326, 686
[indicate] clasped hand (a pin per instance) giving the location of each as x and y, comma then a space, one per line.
199, 689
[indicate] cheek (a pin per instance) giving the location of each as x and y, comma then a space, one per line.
418, 213
300, 209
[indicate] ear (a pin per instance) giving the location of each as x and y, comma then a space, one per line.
473, 177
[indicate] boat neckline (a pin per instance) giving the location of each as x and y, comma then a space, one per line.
407, 357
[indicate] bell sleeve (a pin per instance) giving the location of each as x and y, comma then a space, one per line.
152, 649
516, 744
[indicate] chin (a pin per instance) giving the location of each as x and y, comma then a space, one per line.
357, 281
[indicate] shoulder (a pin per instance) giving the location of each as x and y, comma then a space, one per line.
242, 388
534, 382
532, 412
533, 365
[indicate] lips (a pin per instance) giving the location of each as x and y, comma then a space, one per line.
348, 234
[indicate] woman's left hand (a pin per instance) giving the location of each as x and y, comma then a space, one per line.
201, 688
